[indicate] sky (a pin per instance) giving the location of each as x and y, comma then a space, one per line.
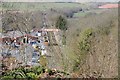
60, 0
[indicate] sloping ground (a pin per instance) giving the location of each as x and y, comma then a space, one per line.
102, 59
104, 56
95, 63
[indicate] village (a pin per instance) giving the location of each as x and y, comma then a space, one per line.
23, 48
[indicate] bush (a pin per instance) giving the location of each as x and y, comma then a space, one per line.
31, 75
14, 74
7, 77
84, 47
38, 70
43, 61
18, 74
64, 40
69, 15
84, 44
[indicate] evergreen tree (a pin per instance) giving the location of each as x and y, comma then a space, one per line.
61, 23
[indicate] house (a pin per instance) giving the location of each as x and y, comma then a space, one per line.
36, 32
39, 33
6, 40
46, 42
15, 34
43, 52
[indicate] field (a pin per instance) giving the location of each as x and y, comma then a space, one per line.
38, 6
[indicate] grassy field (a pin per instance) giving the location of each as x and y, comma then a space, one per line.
80, 14
37, 6
92, 11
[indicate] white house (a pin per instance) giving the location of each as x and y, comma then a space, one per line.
43, 52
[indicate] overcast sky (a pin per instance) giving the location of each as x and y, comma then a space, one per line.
60, 0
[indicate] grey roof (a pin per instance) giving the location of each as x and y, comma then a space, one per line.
12, 34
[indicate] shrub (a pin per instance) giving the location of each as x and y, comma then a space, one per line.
38, 70
84, 44
84, 47
31, 75
43, 61
18, 74
7, 77
64, 40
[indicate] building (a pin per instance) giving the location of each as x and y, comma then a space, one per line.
43, 52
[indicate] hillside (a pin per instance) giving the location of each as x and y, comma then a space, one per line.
87, 48
96, 55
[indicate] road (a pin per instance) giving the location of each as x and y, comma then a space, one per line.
55, 59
